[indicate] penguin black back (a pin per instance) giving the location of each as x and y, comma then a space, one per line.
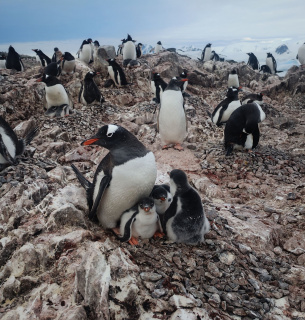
89, 90
159, 84
44, 59
253, 61
13, 60
52, 69
118, 74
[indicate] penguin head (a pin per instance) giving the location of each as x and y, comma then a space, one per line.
11, 49
269, 55
89, 40
178, 181
159, 193
233, 92
36, 50
233, 71
159, 42
208, 45
96, 43
176, 83
183, 73
91, 75
147, 204
111, 62
55, 49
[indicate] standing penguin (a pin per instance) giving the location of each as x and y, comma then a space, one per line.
271, 63
162, 197
89, 92
129, 50
223, 111
233, 79
116, 73
10, 146
158, 47
13, 60
158, 86
139, 50
2, 61
214, 56
253, 62
85, 52
253, 97
56, 94
184, 221
172, 122
206, 53
42, 58
67, 63
141, 221
242, 130
301, 54
183, 75
96, 45
56, 55
124, 176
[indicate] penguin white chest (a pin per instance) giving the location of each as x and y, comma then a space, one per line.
249, 141
207, 54
145, 225
231, 107
69, 67
172, 120
301, 54
270, 64
114, 75
158, 48
129, 51
233, 81
2, 64
56, 95
130, 182
9, 144
86, 53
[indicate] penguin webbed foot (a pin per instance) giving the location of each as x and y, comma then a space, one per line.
178, 147
158, 234
229, 150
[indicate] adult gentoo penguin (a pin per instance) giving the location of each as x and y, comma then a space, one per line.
141, 221
233, 80
10, 146
139, 50
252, 61
301, 54
56, 55
56, 94
184, 220
116, 73
129, 50
172, 122
13, 60
158, 47
124, 176
271, 63
158, 85
53, 69
59, 111
89, 92
253, 97
67, 63
223, 111
85, 52
214, 56
242, 130
183, 75
43, 58
206, 53
162, 197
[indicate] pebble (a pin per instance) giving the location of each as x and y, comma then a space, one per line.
150, 276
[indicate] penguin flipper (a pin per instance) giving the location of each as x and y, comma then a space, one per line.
255, 135
103, 185
83, 181
80, 91
30, 136
4, 152
159, 224
169, 213
127, 229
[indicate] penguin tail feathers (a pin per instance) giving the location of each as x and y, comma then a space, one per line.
83, 181
30, 136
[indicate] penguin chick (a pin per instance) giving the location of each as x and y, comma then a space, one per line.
172, 121
141, 221
59, 111
241, 130
124, 176
116, 73
253, 97
162, 197
184, 221
10, 146
223, 111
89, 92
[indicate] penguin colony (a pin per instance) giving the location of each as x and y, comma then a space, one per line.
123, 191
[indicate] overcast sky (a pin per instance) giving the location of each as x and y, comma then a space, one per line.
174, 22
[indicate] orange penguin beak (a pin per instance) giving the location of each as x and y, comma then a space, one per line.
162, 198
89, 142
146, 209
39, 80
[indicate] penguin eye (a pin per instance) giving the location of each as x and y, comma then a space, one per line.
109, 135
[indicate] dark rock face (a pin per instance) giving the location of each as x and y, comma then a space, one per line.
56, 264
281, 49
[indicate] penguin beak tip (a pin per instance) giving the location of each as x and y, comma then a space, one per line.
89, 142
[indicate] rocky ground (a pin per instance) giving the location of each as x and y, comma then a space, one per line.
56, 264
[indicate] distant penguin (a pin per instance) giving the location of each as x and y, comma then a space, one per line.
265, 69
184, 221
214, 56
233, 80
96, 46
241, 131
85, 52
13, 60
59, 111
253, 61
206, 53
223, 111
67, 63
271, 63
89, 91
42, 58
141, 221
301, 54
162, 197
124, 176
172, 122
129, 50
53, 69
116, 73
56, 55
139, 50
158, 47
158, 86
56, 94
10, 146
120, 47
253, 97
183, 75
2, 62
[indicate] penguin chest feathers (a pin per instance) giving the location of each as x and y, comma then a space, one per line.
56, 95
145, 225
9, 144
129, 51
130, 182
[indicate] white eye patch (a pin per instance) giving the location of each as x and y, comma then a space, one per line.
111, 130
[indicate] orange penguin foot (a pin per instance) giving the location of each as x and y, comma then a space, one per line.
165, 147
116, 231
159, 234
178, 146
133, 241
